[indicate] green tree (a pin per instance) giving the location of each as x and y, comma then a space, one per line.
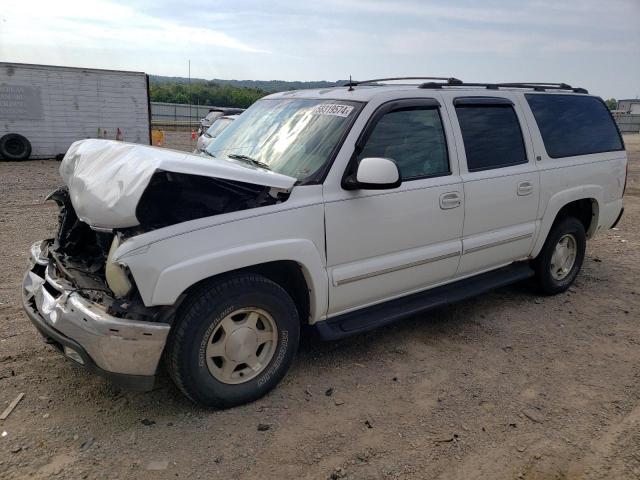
612, 103
205, 93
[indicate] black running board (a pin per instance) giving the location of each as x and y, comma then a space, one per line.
376, 316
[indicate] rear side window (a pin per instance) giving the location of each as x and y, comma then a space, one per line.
492, 136
414, 138
574, 125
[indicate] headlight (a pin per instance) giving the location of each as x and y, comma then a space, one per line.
116, 275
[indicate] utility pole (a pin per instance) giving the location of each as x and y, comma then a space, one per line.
189, 88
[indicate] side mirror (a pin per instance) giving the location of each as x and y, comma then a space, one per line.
374, 173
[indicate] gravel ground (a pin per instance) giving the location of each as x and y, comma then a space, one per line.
508, 385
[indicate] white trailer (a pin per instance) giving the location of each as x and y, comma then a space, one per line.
44, 108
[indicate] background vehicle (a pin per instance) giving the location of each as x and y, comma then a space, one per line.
213, 131
213, 114
45, 108
342, 209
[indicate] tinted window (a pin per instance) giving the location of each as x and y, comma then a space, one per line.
414, 138
492, 136
574, 125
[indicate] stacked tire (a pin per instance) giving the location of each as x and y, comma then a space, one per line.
14, 147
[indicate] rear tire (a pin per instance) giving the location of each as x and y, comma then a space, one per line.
14, 147
561, 257
233, 340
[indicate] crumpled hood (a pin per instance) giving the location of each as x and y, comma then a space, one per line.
106, 178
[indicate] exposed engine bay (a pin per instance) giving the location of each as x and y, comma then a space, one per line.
77, 248
82, 255
172, 198
79, 254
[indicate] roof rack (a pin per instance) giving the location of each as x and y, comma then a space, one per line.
536, 86
454, 82
353, 83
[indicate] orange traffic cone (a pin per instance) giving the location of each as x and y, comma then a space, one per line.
119, 134
193, 134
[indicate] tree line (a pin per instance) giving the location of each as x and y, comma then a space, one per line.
204, 93
234, 93
270, 86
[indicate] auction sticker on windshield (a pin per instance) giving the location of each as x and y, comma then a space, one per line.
332, 109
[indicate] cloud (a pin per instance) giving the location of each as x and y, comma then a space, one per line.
82, 25
584, 13
491, 40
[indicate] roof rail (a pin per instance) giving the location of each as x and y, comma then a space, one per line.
536, 86
454, 82
353, 83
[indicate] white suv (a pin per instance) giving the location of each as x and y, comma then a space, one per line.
341, 209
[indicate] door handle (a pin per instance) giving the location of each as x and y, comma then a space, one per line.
450, 200
525, 188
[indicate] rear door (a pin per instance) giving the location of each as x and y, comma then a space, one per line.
383, 244
500, 179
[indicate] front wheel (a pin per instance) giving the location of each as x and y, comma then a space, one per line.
234, 339
561, 257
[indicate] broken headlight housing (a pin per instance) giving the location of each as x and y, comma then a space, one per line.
117, 275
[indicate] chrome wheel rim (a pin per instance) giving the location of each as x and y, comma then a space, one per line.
564, 257
242, 345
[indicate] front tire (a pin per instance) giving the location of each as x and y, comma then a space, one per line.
561, 257
234, 339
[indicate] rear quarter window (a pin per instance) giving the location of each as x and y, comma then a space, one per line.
573, 125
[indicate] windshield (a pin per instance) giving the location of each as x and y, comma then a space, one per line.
218, 126
291, 136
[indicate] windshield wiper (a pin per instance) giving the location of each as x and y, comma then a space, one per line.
252, 161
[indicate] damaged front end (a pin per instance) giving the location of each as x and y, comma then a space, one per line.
92, 315
123, 350
118, 186
77, 294
172, 198
84, 257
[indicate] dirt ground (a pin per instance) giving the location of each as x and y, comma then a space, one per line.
508, 385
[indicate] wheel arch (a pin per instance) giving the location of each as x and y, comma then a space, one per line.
288, 274
582, 203
586, 210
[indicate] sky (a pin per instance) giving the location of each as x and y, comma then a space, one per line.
593, 44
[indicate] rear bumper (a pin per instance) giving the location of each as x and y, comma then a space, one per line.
124, 351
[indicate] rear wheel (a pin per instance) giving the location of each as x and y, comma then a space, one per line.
14, 147
233, 341
561, 257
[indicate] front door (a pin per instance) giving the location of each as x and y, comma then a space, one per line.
389, 243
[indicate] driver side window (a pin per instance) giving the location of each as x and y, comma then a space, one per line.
414, 138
